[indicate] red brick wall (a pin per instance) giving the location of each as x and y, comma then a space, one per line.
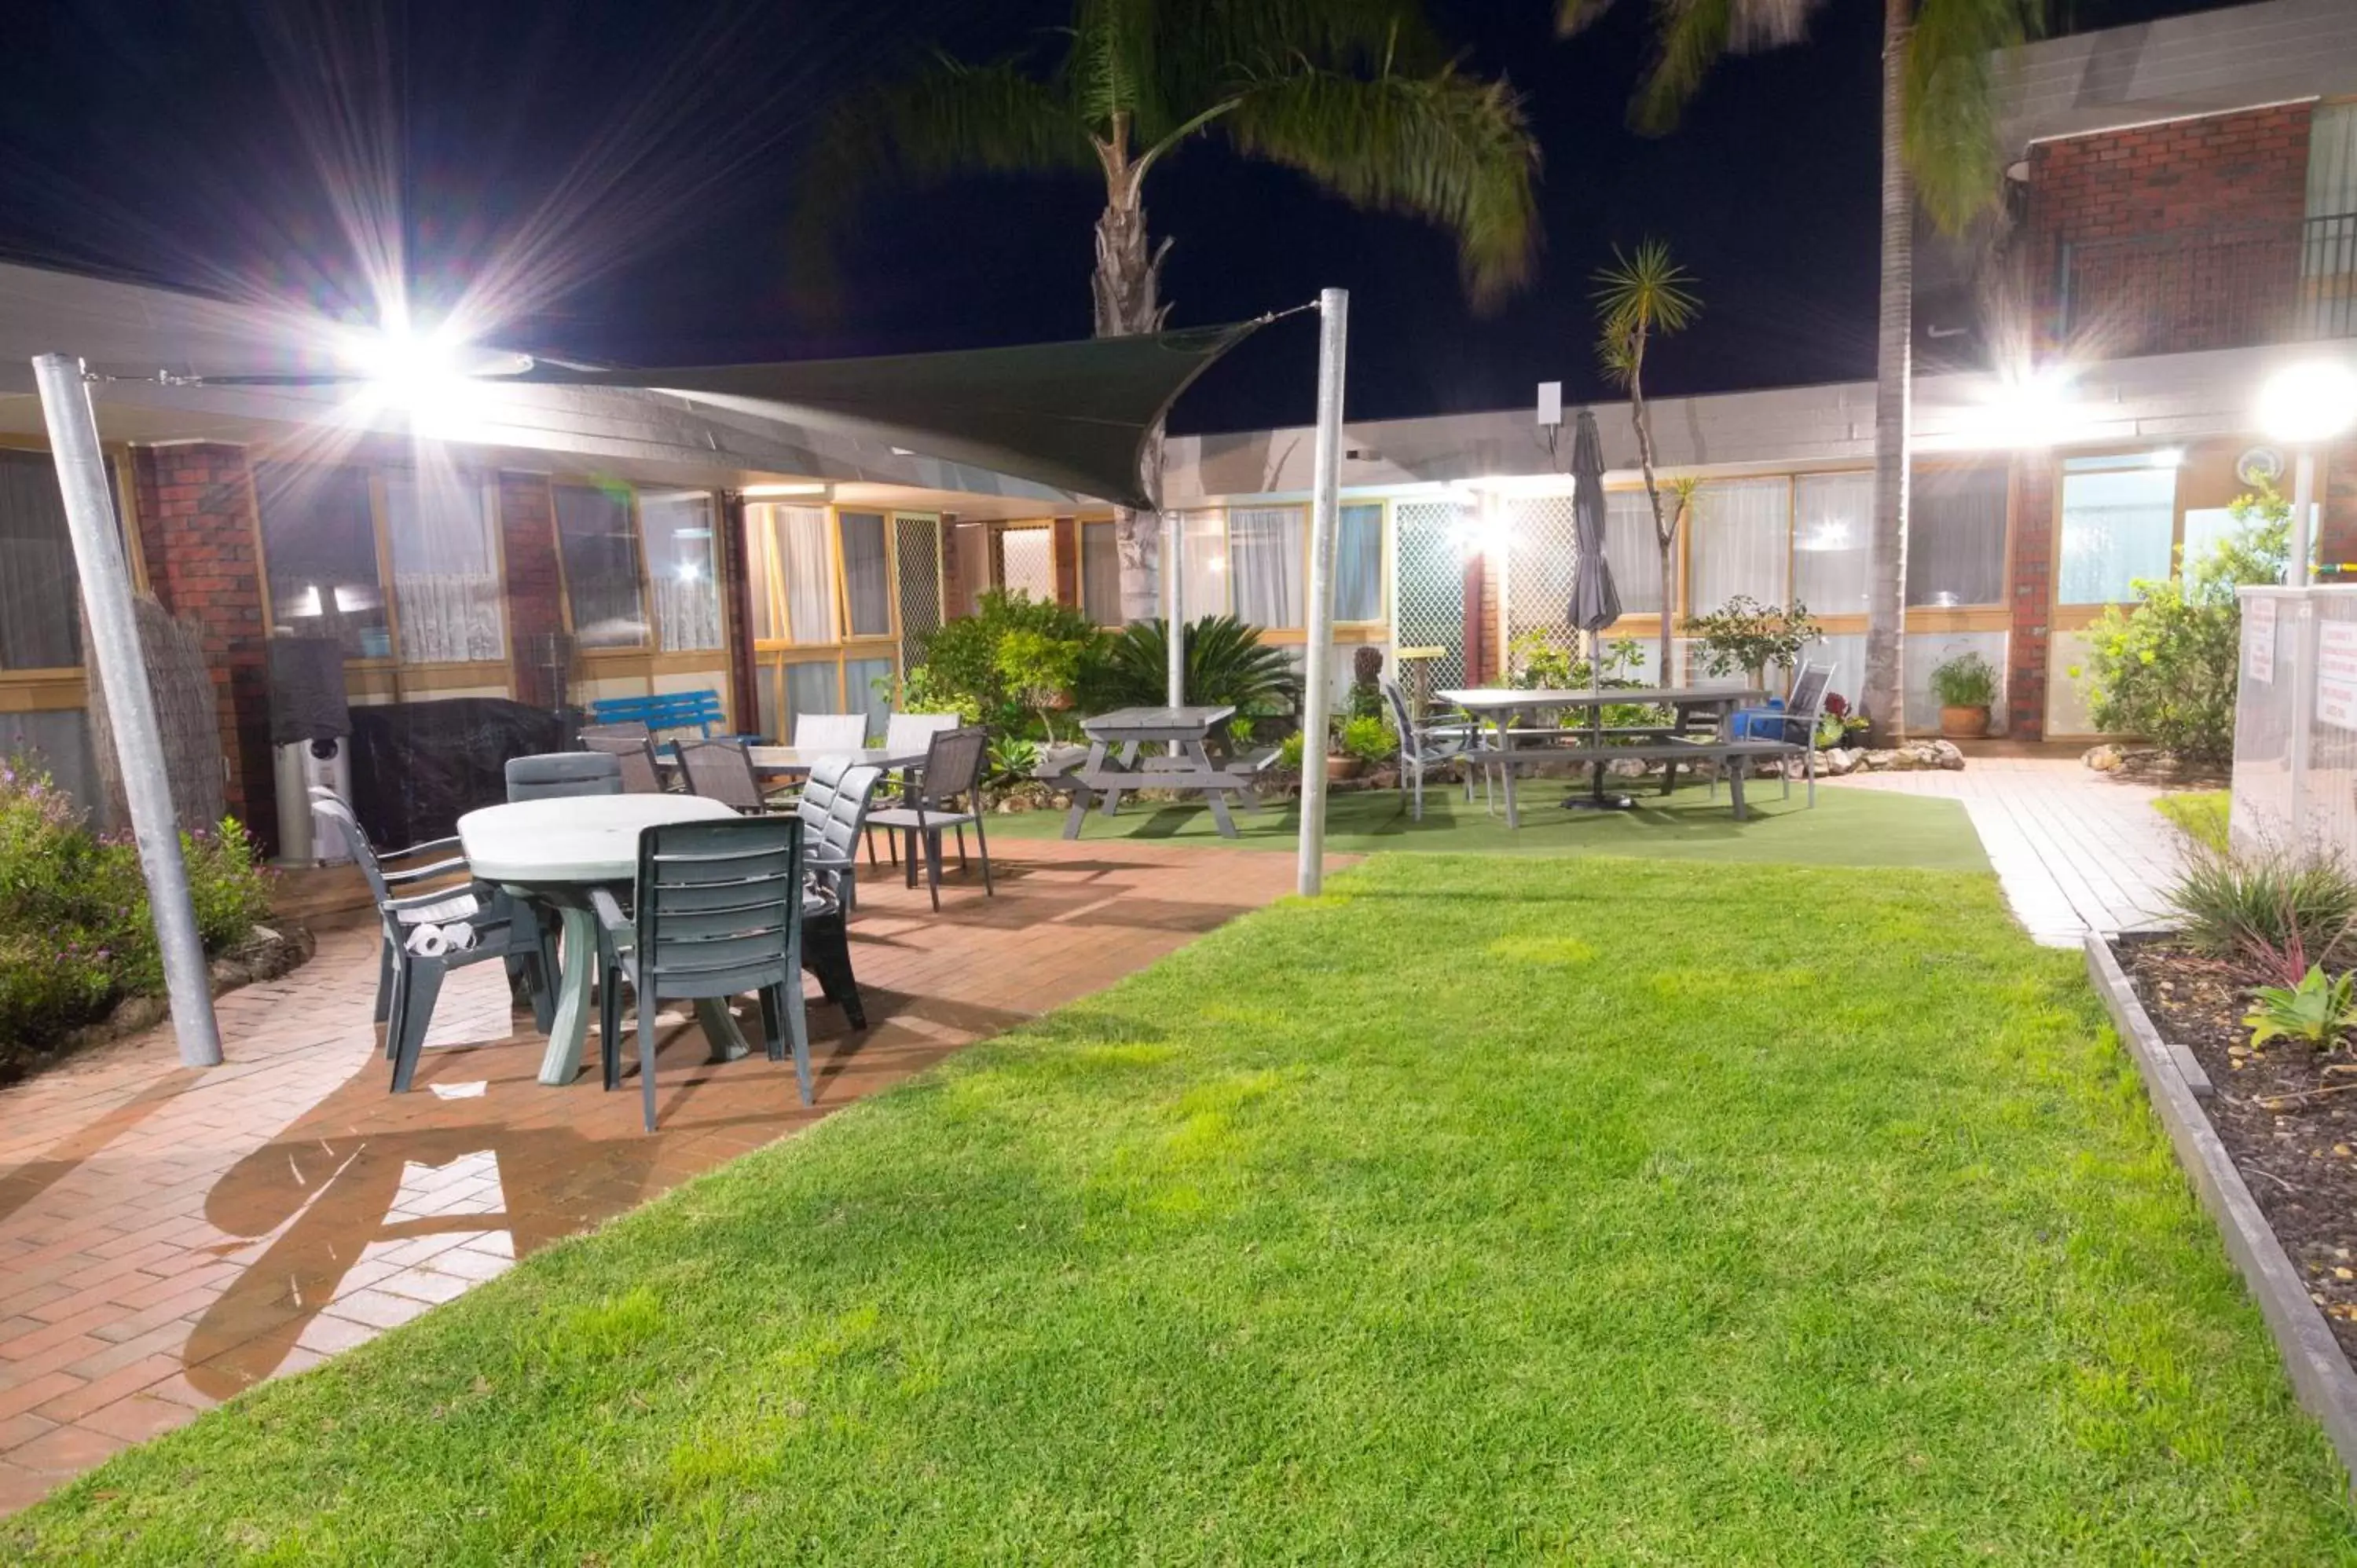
2243, 172
1065, 545
197, 531
2336, 527
535, 589
2032, 594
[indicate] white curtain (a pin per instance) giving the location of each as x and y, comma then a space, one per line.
866, 580
682, 560
1740, 537
2333, 163
1030, 556
1631, 546
1264, 563
1832, 514
2117, 526
40, 627
805, 573
1101, 574
1204, 544
1358, 565
446, 577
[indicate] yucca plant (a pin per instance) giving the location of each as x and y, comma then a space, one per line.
1227, 663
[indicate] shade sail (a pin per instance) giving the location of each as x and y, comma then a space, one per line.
1073, 416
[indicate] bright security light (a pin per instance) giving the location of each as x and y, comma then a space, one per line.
2309, 402
407, 368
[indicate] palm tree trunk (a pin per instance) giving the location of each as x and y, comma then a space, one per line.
1128, 286
1886, 603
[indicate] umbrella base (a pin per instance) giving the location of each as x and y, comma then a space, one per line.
1598, 803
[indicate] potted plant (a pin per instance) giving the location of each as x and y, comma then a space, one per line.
1966, 686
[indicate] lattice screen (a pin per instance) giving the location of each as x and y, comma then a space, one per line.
1428, 586
1541, 542
917, 548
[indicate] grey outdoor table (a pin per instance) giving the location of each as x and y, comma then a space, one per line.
1496, 705
1188, 766
794, 761
554, 851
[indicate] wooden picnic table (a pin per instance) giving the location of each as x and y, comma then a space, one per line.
1113, 764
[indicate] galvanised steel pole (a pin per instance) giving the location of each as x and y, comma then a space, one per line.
1174, 614
130, 708
1325, 513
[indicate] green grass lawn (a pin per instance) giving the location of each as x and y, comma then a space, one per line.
1486, 1209
2200, 814
1847, 827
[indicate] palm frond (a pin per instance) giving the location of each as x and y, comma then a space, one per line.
1573, 16
1111, 71
1205, 51
1448, 148
1694, 34
1951, 84
1616, 355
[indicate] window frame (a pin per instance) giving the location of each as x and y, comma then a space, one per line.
650, 637
773, 655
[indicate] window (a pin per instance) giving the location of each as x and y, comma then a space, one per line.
799, 572
598, 535
1027, 557
2119, 522
318, 548
1635, 553
868, 687
1101, 574
1205, 546
1955, 536
684, 568
446, 568
866, 580
1832, 515
1358, 565
1739, 537
812, 686
1264, 565
40, 603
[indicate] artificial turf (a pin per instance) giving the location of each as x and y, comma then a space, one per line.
1486, 1209
1846, 826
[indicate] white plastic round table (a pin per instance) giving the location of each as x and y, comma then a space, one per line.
558, 849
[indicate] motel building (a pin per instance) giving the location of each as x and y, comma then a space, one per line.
2182, 223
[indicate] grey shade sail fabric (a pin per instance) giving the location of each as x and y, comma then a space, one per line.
1594, 601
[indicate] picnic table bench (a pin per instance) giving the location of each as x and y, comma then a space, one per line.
1113, 764
1739, 754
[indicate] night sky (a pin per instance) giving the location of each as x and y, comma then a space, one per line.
641, 160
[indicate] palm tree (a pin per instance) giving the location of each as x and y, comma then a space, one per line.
1938, 149
1638, 298
1355, 94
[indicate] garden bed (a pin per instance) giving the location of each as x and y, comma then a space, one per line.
2286, 1113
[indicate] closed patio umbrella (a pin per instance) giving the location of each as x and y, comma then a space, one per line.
1594, 601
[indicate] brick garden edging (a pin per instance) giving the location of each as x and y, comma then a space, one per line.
2320, 1374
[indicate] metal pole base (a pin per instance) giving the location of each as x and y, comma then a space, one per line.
1598, 803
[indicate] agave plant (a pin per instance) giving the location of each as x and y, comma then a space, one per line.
1227, 663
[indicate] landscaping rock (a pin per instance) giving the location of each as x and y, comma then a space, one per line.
2103, 758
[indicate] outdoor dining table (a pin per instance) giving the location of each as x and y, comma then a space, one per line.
795, 761
1187, 767
1496, 707
554, 852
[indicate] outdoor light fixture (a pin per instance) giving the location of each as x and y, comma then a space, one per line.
2300, 405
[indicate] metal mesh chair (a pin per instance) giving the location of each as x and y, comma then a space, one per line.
1428, 745
1794, 723
717, 911
429, 934
558, 774
830, 731
952, 773
722, 770
636, 755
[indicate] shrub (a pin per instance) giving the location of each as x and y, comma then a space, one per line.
959, 666
1968, 681
2268, 914
1369, 740
1227, 664
1744, 636
2316, 1010
1289, 752
2165, 669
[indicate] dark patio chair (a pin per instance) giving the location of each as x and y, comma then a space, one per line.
832, 810
427, 935
717, 911
558, 774
952, 774
722, 770
1428, 745
636, 756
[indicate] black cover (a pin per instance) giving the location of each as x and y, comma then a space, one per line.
418, 766
306, 689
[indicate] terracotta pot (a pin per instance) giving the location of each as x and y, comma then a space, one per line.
1964, 723
1343, 767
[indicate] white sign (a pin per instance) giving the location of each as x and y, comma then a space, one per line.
2259, 639
2336, 674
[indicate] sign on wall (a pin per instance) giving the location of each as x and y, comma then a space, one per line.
2336, 674
2259, 639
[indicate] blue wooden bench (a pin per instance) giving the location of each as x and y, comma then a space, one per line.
698, 711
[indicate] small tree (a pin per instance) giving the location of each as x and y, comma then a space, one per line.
1745, 637
1638, 298
2166, 669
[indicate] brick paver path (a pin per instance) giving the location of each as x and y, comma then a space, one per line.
169, 1237
2076, 850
